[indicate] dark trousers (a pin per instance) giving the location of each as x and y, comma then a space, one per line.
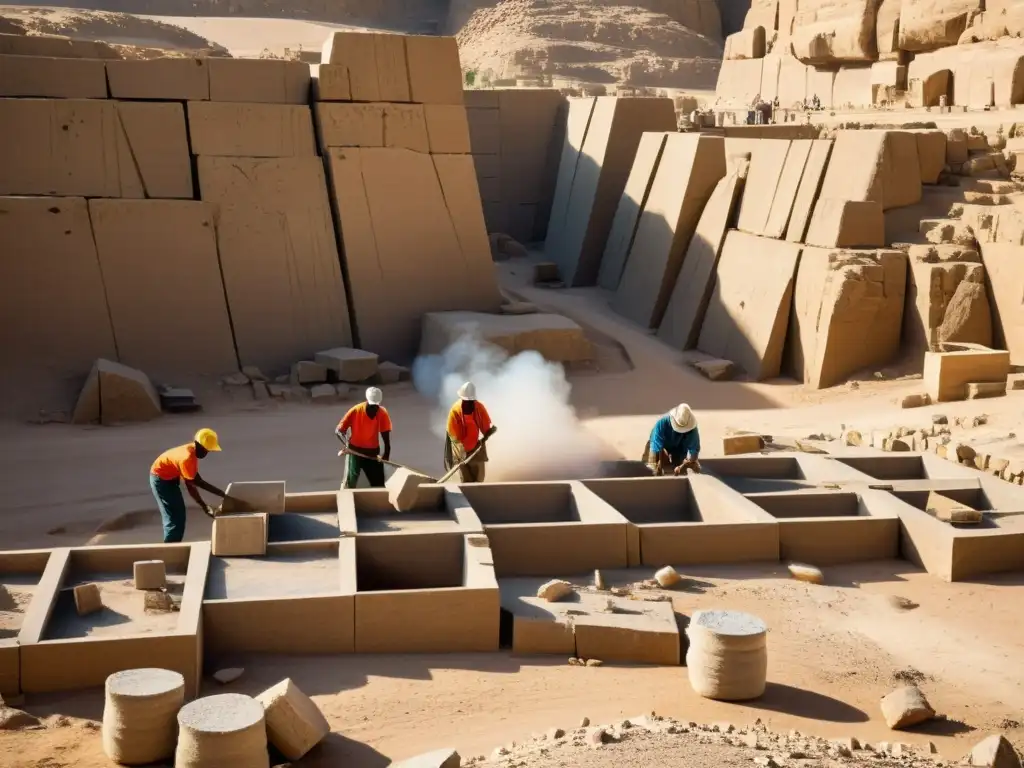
372, 468
172, 507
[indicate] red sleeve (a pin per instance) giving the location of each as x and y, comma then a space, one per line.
385, 420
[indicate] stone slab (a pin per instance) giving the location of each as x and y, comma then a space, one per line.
691, 165
852, 87
646, 636
807, 192
1004, 280
52, 77
846, 224
435, 74
688, 302
279, 257
749, 307
879, 165
178, 238
158, 148
631, 205
159, 79
447, 129
739, 81
767, 161
49, 261
556, 338
243, 535
786, 191
225, 129
457, 178
55, 45
353, 56
484, 130
259, 81
266, 496
840, 299
578, 115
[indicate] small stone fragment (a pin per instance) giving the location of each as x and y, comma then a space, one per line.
716, 370
157, 600
237, 379
87, 599
574, 662
16, 720
594, 662
584, 722
598, 737
808, 573
253, 373
619, 591
555, 733
228, 675
938, 418
599, 581
554, 590
906, 707
853, 437
323, 393
916, 400
667, 577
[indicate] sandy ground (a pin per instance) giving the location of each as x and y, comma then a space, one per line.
123, 612
15, 596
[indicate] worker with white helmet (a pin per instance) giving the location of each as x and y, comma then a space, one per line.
469, 426
368, 424
165, 476
674, 442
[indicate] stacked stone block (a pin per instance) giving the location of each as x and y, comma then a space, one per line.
516, 136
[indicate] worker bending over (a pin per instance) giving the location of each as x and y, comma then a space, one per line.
674, 442
166, 474
468, 424
368, 423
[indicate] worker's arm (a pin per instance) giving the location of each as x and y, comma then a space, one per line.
190, 486
693, 447
386, 437
198, 481
484, 421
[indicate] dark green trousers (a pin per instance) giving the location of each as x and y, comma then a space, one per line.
373, 470
171, 504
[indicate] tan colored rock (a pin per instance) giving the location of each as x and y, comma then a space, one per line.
878, 165
906, 707
827, 32
929, 24
980, 390
149, 574
348, 365
228, 675
747, 442
240, 535
139, 715
716, 370
555, 337
745, 44
224, 729
441, 758
950, 511
116, 394
968, 317
157, 600
846, 224
994, 752
667, 577
931, 153
87, 599
808, 573
403, 489
956, 146
294, 723
554, 590
938, 311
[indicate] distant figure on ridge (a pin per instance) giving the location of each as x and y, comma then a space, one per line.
166, 474
368, 423
468, 424
674, 442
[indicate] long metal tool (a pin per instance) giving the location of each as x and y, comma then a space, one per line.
464, 462
346, 448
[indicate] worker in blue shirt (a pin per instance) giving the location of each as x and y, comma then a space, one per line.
674, 442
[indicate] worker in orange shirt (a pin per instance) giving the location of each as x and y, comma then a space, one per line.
368, 423
468, 424
166, 474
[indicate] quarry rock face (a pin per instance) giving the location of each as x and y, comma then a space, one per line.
830, 32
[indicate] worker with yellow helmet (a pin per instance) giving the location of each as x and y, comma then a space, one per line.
166, 474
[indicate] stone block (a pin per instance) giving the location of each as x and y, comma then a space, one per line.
739, 81
354, 58
931, 154
87, 599
596, 159
841, 297
993, 752
349, 365
852, 88
554, 337
53, 45
447, 129
929, 24
749, 307
690, 167
350, 124
405, 127
947, 373
821, 83
159, 79
829, 33
1005, 283
786, 189
266, 496
258, 81
125, 395
52, 77
767, 159
392, 67
742, 443
294, 723
689, 299
224, 129
983, 389
878, 165
440, 758
435, 74
179, 239
939, 310
308, 372
807, 192
149, 574
329, 82
155, 141
906, 707
846, 224
242, 535
745, 44
403, 489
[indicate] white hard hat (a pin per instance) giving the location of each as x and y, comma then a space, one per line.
682, 418
467, 391
374, 396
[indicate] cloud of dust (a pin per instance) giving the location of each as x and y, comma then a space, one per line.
539, 436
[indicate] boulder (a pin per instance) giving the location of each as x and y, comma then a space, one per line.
554, 590
308, 372
926, 25
994, 752
667, 577
404, 488
938, 311
116, 394
906, 707
294, 723
555, 337
968, 316
830, 32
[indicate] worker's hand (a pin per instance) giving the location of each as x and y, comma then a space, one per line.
341, 452
491, 431
386, 456
679, 470
208, 511
695, 465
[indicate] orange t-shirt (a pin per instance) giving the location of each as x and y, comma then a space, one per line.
467, 428
365, 431
177, 463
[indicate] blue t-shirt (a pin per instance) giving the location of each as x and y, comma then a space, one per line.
678, 444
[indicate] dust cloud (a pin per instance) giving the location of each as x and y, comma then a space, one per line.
539, 436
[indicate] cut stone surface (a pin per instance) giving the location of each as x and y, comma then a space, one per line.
224, 729
949, 510
716, 370
554, 590
846, 224
830, 33
139, 712
906, 707
229, 675
149, 574
877, 165
87, 599
982, 389
243, 535
308, 372
994, 752
403, 489
294, 723
555, 337
742, 443
349, 365
255, 496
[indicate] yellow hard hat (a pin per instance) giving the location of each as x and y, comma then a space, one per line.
208, 439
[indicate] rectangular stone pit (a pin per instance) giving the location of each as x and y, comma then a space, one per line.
63, 651
298, 598
687, 520
425, 593
906, 470
790, 472
948, 371
549, 529
20, 573
310, 516
438, 509
957, 552
829, 527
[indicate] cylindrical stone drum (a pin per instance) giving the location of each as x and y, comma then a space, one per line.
220, 731
139, 724
728, 655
